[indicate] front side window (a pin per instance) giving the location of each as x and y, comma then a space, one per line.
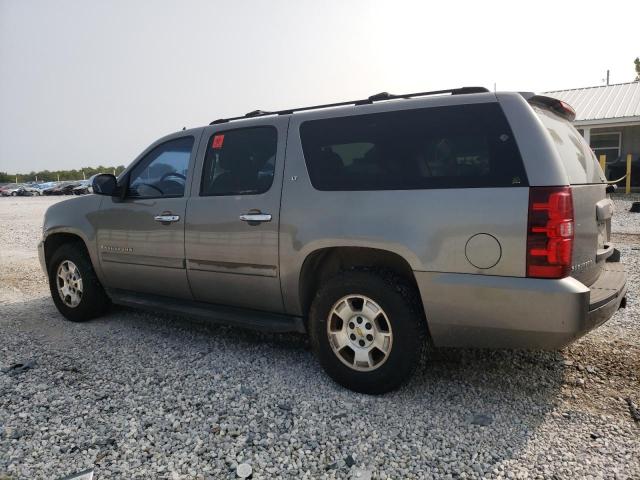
240, 162
163, 171
442, 147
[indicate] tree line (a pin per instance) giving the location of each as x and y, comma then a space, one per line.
55, 175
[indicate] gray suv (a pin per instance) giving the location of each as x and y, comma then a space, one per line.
381, 227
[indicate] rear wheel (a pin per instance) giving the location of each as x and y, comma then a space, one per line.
75, 288
367, 330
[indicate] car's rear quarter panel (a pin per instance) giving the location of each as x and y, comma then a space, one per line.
428, 228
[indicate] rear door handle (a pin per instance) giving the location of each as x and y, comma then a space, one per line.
166, 218
256, 217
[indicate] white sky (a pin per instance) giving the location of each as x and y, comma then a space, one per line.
94, 82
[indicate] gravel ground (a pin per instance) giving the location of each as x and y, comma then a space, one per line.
623, 220
136, 395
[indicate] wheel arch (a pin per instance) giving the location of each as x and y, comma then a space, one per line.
324, 263
54, 240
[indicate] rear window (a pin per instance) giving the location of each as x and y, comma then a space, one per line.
580, 163
458, 146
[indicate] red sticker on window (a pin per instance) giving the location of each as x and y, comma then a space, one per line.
218, 140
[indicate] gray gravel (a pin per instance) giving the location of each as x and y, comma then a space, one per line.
623, 220
135, 395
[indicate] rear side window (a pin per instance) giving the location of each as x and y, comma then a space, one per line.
240, 162
457, 146
579, 161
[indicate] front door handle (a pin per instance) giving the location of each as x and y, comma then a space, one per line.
164, 218
255, 217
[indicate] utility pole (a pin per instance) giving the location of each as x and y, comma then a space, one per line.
607, 77
58, 177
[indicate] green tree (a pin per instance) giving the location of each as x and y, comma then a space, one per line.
637, 64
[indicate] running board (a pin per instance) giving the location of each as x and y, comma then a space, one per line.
235, 316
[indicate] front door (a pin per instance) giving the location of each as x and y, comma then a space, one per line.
141, 237
233, 215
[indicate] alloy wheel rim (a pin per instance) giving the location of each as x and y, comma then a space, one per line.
69, 283
359, 333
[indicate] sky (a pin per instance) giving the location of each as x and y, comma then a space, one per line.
88, 83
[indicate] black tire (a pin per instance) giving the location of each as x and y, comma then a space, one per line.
94, 301
401, 304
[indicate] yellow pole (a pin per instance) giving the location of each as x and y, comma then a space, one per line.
603, 162
628, 183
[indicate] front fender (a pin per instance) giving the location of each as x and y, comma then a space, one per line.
76, 216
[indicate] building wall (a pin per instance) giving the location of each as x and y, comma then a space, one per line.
630, 139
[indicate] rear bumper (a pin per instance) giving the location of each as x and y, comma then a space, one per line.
484, 311
607, 294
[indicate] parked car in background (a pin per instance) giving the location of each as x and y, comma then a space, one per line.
42, 186
381, 227
62, 188
7, 188
21, 190
49, 189
84, 187
32, 190
69, 188
15, 190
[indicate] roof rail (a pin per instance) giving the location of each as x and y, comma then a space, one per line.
382, 96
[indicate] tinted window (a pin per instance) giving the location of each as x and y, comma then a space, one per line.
579, 161
163, 171
240, 162
443, 147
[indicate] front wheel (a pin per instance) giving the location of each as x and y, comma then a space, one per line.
75, 288
367, 330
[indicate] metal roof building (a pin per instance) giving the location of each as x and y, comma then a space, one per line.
608, 116
609, 104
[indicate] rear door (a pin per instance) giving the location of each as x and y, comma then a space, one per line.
233, 215
592, 208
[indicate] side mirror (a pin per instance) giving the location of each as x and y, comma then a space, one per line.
104, 184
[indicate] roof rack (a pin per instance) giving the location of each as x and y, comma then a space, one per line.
367, 101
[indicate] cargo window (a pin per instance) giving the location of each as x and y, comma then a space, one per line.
240, 162
578, 159
443, 147
163, 171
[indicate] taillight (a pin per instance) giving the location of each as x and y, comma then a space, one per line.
550, 232
561, 108
567, 110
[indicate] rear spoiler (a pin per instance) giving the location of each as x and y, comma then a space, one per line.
558, 107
